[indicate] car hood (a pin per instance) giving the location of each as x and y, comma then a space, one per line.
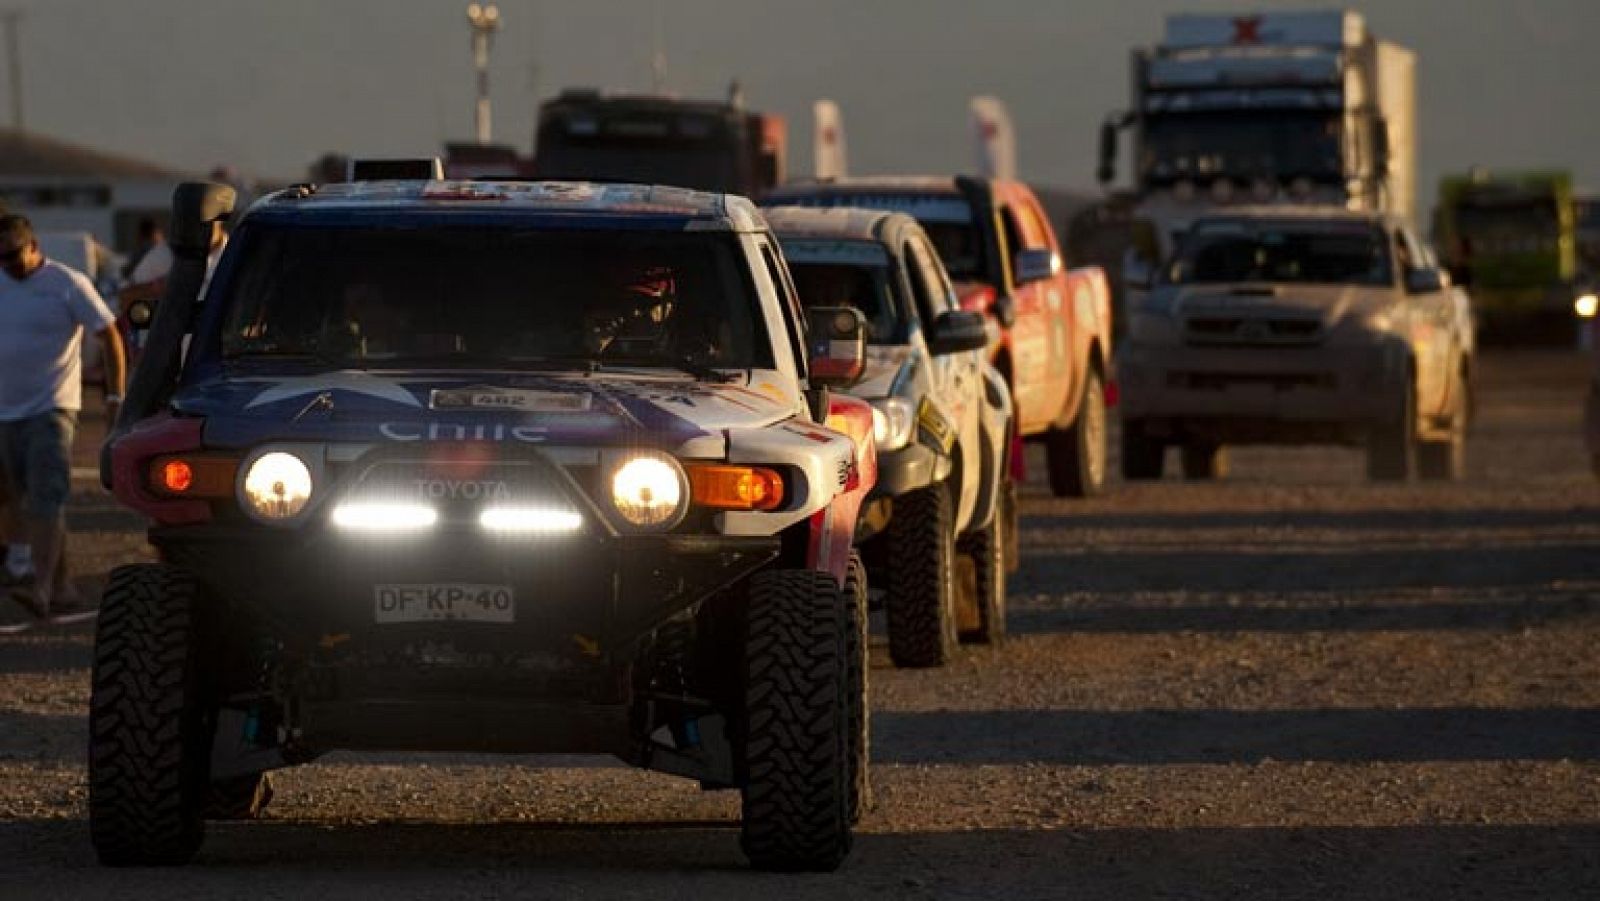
668, 411
1329, 303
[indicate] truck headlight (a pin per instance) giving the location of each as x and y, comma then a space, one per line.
648, 490
276, 486
893, 420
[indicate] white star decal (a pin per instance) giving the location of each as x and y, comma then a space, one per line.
353, 381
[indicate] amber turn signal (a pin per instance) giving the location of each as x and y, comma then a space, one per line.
736, 487
193, 476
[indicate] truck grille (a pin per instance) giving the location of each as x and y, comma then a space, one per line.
1279, 331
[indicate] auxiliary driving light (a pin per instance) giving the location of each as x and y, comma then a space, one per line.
648, 491
736, 487
277, 486
1586, 306
368, 516
530, 520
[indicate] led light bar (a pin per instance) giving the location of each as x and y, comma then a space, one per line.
530, 520
363, 516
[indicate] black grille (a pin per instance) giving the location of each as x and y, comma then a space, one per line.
1253, 330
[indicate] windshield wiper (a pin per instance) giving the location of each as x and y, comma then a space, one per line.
674, 361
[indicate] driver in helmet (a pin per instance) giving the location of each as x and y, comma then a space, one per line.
635, 315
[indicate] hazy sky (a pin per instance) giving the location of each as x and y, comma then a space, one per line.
271, 84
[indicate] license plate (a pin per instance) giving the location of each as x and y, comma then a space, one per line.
426, 602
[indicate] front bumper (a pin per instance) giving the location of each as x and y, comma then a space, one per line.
1326, 385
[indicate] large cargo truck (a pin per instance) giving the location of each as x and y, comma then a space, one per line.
1281, 107
1512, 238
703, 145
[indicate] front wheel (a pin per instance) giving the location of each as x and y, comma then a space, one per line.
1446, 460
1143, 457
1392, 445
1076, 456
920, 604
149, 741
797, 785
859, 748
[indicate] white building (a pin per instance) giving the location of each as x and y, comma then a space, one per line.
64, 187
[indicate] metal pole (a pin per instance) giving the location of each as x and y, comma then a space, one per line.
485, 19
12, 20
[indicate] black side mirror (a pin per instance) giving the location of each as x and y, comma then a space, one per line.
1424, 281
957, 330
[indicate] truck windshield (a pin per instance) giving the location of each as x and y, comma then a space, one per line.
849, 274
491, 297
1518, 216
698, 152
1288, 252
1275, 144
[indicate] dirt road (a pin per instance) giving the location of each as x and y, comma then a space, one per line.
1291, 684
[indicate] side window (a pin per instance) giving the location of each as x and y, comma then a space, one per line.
1421, 254
1403, 260
779, 274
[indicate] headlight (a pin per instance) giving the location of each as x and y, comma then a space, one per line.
277, 486
1586, 306
648, 491
893, 420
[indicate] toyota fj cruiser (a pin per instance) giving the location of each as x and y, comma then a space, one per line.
486, 467
931, 532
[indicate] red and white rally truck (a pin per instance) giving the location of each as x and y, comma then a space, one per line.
1054, 339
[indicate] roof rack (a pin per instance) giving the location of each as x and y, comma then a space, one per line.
419, 169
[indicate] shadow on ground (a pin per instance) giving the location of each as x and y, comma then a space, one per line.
393, 861
1237, 736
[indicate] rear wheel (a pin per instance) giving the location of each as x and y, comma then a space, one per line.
1446, 459
1076, 456
797, 787
1204, 460
986, 549
920, 604
1143, 457
149, 737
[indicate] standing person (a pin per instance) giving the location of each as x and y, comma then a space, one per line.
148, 281
45, 308
149, 238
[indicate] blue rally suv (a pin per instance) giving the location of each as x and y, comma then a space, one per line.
486, 467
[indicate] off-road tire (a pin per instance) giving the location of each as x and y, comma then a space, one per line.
149, 741
1143, 457
859, 750
239, 798
796, 795
1392, 444
986, 549
1204, 461
1446, 460
920, 602
1076, 456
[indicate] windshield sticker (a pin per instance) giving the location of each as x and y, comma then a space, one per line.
326, 382
515, 400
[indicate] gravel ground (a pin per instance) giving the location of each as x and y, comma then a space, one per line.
1291, 684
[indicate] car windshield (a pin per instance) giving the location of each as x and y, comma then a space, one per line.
849, 274
1275, 144
1282, 252
1516, 216
947, 219
483, 296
